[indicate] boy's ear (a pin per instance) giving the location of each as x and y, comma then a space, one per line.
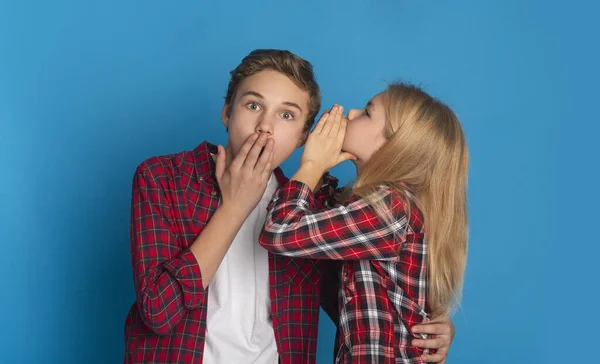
225, 115
303, 138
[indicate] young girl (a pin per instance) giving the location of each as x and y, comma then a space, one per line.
400, 233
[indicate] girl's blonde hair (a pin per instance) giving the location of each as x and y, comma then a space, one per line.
426, 151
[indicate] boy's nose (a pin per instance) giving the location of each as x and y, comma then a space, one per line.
265, 126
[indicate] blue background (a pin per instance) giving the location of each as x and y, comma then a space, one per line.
89, 89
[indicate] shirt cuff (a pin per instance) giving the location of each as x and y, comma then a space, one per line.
327, 195
329, 181
187, 272
293, 190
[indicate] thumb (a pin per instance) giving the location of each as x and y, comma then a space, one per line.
221, 161
345, 156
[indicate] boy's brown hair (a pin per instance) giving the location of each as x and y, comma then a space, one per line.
298, 70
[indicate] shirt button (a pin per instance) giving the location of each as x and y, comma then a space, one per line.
213, 193
201, 179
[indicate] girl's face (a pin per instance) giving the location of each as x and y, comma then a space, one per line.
365, 132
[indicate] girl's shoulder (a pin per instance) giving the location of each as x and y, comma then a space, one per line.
403, 204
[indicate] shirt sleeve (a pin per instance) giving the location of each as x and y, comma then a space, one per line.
296, 227
168, 281
328, 193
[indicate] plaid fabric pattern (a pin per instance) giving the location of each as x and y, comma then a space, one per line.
382, 282
173, 199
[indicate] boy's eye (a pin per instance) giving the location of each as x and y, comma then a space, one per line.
253, 106
366, 112
287, 115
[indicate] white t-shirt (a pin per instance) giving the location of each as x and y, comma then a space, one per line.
238, 324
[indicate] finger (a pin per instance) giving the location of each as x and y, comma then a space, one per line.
434, 343
439, 357
252, 157
342, 130
221, 161
337, 120
329, 123
345, 156
239, 159
433, 328
268, 168
265, 156
322, 121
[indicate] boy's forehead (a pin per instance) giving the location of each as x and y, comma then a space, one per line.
274, 86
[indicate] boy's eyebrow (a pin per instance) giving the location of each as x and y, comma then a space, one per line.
256, 94
291, 104
253, 93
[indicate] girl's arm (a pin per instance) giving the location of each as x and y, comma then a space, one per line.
296, 227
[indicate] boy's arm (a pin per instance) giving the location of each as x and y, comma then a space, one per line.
214, 240
170, 281
167, 279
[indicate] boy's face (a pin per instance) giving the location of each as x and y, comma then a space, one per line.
267, 102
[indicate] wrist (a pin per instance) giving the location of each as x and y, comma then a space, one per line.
313, 169
233, 211
309, 174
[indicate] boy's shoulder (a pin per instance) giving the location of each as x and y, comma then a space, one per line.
195, 163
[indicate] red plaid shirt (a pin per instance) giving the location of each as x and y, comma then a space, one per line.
383, 275
173, 199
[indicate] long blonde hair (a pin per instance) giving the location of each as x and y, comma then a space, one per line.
426, 151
